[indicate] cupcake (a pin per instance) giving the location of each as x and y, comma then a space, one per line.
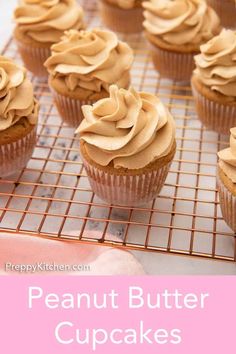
18, 117
41, 23
214, 82
122, 15
226, 10
226, 181
83, 66
127, 144
175, 30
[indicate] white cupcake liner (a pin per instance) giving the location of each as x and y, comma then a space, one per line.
15, 156
226, 9
227, 203
34, 58
121, 20
215, 116
173, 65
126, 190
70, 108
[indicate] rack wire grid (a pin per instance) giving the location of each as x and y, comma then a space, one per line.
52, 198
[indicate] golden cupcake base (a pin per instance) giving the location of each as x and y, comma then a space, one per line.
127, 187
217, 116
15, 154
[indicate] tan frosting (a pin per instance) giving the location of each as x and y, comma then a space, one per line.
181, 22
124, 4
16, 95
91, 60
216, 65
130, 129
46, 20
228, 158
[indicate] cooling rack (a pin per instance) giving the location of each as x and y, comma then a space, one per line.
52, 198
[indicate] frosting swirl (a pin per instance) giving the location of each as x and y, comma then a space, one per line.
91, 60
216, 65
181, 22
128, 129
125, 4
228, 158
46, 20
16, 95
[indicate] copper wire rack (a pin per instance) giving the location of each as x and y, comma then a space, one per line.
52, 198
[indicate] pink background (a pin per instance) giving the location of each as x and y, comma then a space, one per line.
32, 331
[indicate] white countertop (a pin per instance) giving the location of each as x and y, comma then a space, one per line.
153, 263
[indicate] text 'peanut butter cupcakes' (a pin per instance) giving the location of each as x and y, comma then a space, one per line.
41, 23
18, 117
176, 29
127, 144
214, 83
83, 66
226, 181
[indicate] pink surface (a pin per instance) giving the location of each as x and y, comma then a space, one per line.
102, 260
211, 330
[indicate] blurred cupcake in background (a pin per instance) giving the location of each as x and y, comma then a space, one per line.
18, 117
214, 82
176, 29
83, 66
226, 181
127, 143
124, 16
226, 10
41, 23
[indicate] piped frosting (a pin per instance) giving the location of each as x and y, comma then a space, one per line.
16, 95
46, 20
91, 60
180, 22
129, 129
216, 65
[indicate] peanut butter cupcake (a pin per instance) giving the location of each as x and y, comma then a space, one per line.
214, 83
122, 15
175, 30
226, 10
226, 181
83, 66
18, 117
127, 144
41, 23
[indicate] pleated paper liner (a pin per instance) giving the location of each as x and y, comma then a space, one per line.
121, 20
214, 115
227, 203
136, 188
70, 108
173, 65
226, 9
15, 156
34, 58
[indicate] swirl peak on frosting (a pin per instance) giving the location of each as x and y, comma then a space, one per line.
46, 20
91, 60
181, 22
129, 129
228, 158
16, 95
216, 65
